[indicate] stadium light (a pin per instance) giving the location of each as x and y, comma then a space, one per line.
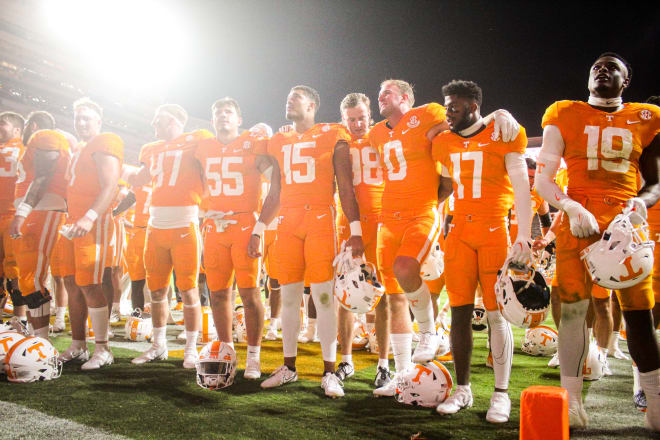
135, 45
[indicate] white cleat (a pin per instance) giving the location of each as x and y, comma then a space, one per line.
98, 360
81, 354
190, 358
500, 408
309, 335
272, 335
332, 385
252, 369
58, 326
114, 317
462, 398
577, 416
388, 390
618, 354
426, 349
554, 362
280, 377
155, 352
606, 368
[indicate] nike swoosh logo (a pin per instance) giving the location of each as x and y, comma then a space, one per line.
632, 122
405, 131
493, 229
245, 228
483, 145
321, 216
185, 235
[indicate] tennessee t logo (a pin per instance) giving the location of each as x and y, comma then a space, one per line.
631, 272
539, 167
420, 370
546, 338
37, 347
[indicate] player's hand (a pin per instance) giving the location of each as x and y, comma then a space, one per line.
520, 252
540, 243
583, 223
81, 227
637, 208
254, 246
506, 127
15, 226
357, 246
286, 128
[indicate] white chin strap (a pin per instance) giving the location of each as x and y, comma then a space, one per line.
605, 102
472, 128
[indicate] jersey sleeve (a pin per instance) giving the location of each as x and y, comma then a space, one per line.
260, 146
108, 143
49, 140
202, 134
438, 148
434, 114
518, 145
342, 134
551, 115
650, 114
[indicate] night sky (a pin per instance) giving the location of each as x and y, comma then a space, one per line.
524, 57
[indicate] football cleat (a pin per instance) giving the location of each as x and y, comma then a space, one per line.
500, 408
332, 385
523, 298
252, 369
310, 334
554, 362
279, 377
59, 325
271, 335
344, 371
99, 359
154, 353
606, 367
389, 389
383, 377
190, 358
618, 354
577, 416
71, 353
426, 348
639, 399
114, 316
462, 398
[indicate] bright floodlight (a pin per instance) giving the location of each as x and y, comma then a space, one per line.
137, 44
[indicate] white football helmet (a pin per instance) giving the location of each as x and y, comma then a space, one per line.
434, 264
523, 298
356, 284
479, 319
138, 328
593, 365
540, 341
216, 366
623, 256
240, 330
207, 332
424, 385
7, 340
32, 359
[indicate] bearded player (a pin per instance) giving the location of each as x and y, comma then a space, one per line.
605, 144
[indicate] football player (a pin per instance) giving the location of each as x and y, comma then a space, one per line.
40, 200
306, 163
486, 175
93, 179
11, 150
233, 163
173, 238
368, 184
410, 218
605, 143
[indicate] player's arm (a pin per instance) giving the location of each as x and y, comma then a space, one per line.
437, 128
583, 223
341, 160
45, 162
649, 167
516, 168
137, 178
544, 217
445, 189
550, 235
264, 166
269, 210
108, 168
125, 204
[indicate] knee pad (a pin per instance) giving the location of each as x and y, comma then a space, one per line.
36, 299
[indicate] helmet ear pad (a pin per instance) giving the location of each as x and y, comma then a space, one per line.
535, 296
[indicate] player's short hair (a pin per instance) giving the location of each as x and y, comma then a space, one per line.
226, 101
353, 100
404, 87
620, 58
655, 100
175, 111
14, 119
531, 163
44, 120
86, 102
464, 89
311, 94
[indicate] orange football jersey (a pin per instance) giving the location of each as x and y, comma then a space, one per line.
477, 168
49, 140
142, 203
410, 177
233, 182
602, 149
367, 176
10, 155
306, 167
176, 178
84, 186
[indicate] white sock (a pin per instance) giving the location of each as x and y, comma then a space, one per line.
311, 326
273, 324
574, 387
159, 335
191, 340
324, 300
99, 318
501, 345
347, 358
402, 350
291, 296
573, 338
613, 343
650, 383
636, 385
420, 304
41, 332
384, 363
78, 345
59, 313
253, 351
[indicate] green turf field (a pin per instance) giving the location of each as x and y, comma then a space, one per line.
162, 400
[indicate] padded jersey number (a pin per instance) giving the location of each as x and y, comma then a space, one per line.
215, 178
157, 169
615, 161
478, 158
364, 162
392, 173
293, 156
9, 156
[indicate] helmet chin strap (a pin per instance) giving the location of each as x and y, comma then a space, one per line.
605, 102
